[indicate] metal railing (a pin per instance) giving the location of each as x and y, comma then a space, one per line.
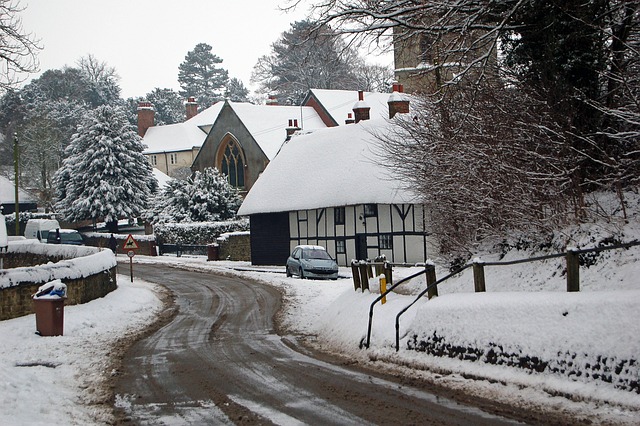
573, 278
572, 257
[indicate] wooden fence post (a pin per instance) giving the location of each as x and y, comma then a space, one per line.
478, 276
430, 273
388, 273
364, 275
355, 273
573, 270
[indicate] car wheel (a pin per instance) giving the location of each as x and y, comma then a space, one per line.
288, 272
301, 273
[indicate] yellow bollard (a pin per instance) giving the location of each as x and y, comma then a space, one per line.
383, 288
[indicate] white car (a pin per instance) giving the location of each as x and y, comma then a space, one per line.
311, 262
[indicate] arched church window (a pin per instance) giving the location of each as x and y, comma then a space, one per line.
232, 164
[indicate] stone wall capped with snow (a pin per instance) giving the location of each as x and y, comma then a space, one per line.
88, 272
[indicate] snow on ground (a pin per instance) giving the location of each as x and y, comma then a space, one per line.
52, 380
604, 316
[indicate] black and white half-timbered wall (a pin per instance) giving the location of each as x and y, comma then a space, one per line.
363, 231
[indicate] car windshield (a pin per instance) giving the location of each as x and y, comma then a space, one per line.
315, 254
70, 237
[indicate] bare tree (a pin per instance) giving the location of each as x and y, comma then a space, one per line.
527, 105
483, 173
17, 49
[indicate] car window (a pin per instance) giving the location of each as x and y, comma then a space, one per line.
316, 254
296, 254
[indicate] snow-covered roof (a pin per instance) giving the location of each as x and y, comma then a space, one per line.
160, 177
7, 193
328, 167
339, 103
267, 123
181, 136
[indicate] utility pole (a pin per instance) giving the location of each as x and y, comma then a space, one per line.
16, 167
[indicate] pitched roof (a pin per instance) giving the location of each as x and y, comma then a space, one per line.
267, 123
181, 136
328, 167
339, 103
8, 195
162, 178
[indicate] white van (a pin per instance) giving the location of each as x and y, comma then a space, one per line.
39, 228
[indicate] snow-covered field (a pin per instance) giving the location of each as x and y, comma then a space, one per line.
526, 313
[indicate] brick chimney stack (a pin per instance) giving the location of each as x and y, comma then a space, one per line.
292, 128
191, 107
361, 109
272, 100
398, 101
349, 119
146, 116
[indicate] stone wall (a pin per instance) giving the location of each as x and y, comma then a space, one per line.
19, 260
17, 301
235, 246
89, 273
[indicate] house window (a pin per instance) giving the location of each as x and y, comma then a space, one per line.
338, 214
173, 158
341, 246
370, 210
233, 164
153, 160
385, 241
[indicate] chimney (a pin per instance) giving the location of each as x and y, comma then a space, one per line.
398, 102
192, 107
145, 117
292, 128
360, 108
272, 100
349, 119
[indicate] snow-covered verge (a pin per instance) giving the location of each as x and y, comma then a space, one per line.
80, 261
60, 380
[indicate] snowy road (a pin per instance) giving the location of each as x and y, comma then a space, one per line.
221, 362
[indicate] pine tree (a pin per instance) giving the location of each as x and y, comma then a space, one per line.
303, 58
212, 197
199, 77
205, 197
104, 174
169, 106
236, 91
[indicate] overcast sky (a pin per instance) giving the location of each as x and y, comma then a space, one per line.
146, 40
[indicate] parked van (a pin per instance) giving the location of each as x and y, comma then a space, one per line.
39, 228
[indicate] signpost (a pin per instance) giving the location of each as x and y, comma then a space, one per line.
129, 246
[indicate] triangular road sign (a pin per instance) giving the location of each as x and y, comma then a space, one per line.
130, 243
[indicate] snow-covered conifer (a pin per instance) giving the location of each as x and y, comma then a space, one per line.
104, 174
205, 197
